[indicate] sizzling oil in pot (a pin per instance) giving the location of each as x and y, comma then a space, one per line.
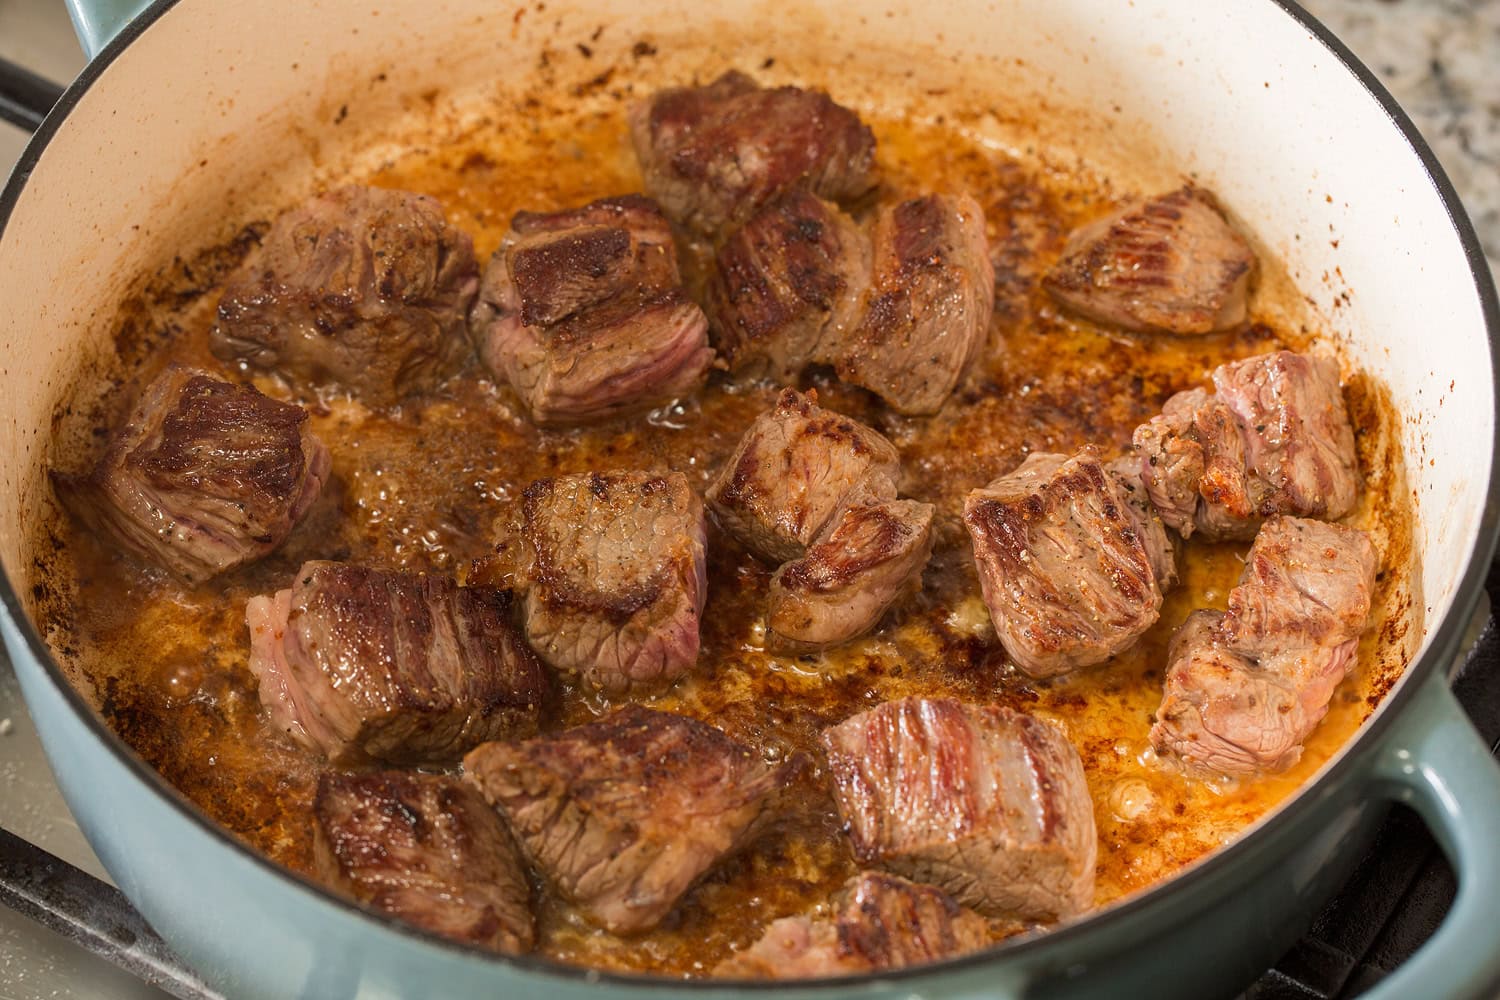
424, 489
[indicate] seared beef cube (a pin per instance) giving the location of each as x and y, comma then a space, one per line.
582, 313
1148, 523
987, 804
359, 664
714, 155
872, 556
1169, 264
1276, 439
927, 316
1070, 572
1245, 688
204, 476
787, 286
796, 467
426, 849
623, 815
360, 289
617, 577
883, 922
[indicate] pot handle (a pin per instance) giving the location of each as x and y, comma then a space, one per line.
97, 22
1437, 763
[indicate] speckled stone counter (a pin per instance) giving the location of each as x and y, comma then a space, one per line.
1441, 59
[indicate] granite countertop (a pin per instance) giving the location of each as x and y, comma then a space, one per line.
1441, 60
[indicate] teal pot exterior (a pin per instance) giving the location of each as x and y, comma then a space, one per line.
255, 930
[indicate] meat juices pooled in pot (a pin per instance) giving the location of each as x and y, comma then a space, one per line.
583, 314
1169, 264
616, 577
359, 664
427, 849
714, 155
866, 560
883, 922
927, 315
1245, 687
797, 467
621, 816
203, 476
986, 803
787, 286
1071, 565
1275, 439
360, 290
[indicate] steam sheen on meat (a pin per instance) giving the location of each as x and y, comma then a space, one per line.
986, 803
204, 475
361, 290
1169, 264
796, 468
1275, 439
787, 287
359, 664
882, 922
582, 313
1071, 564
617, 577
927, 315
621, 816
1247, 686
713, 155
427, 849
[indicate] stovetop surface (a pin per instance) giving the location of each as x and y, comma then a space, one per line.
1440, 57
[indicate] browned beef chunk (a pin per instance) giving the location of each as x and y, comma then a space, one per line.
1169, 264
617, 577
360, 289
796, 467
787, 286
882, 922
713, 155
868, 558
203, 476
426, 849
582, 313
1276, 439
623, 815
1245, 688
987, 804
927, 315
1070, 567
359, 664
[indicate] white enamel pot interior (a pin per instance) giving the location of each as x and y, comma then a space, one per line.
202, 115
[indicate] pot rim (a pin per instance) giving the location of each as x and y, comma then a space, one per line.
1443, 646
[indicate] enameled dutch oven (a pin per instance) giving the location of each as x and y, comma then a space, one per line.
196, 111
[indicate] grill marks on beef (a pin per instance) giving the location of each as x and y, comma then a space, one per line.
204, 475
787, 286
426, 849
1071, 563
359, 664
583, 314
796, 467
713, 155
1169, 264
1245, 687
623, 815
882, 922
987, 804
870, 557
1275, 439
927, 315
359, 289
617, 577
